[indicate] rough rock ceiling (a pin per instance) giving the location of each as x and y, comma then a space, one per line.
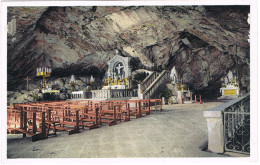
202, 42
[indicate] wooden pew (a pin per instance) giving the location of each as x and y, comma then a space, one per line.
89, 115
107, 112
135, 108
122, 110
155, 105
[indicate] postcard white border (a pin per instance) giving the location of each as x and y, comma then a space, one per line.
253, 74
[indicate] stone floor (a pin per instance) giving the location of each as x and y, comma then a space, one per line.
177, 131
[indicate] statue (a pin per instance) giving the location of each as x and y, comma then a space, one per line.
174, 75
230, 77
72, 82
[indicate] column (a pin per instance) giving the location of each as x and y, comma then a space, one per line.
215, 130
140, 94
109, 94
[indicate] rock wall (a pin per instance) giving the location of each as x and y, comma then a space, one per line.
21, 95
203, 42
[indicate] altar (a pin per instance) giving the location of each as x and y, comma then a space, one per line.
230, 88
115, 87
117, 80
119, 73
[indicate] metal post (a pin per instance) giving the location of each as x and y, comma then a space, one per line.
44, 82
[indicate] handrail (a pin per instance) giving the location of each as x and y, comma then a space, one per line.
148, 80
157, 80
145, 81
224, 106
223, 124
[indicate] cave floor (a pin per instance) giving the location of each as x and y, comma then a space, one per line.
177, 131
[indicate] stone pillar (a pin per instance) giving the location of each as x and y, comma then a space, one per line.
109, 94
93, 95
163, 101
181, 101
215, 130
140, 94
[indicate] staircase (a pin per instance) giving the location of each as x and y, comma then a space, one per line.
151, 83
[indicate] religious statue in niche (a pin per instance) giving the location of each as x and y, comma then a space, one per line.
230, 87
118, 74
119, 70
174, 76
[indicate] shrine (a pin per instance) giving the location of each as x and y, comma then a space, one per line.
117, 80
182, 90
230, 87
118, 74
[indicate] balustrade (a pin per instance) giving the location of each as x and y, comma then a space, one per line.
148, 80
155, 84
112, 93
78, 95
229, 126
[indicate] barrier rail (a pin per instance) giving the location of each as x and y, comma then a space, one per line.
237, 126
229, 126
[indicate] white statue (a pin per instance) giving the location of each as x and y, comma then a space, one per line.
174, 75
118, 68
72, 79
226, 80
116, 52
230, 77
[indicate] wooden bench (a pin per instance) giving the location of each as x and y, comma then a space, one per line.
38, 119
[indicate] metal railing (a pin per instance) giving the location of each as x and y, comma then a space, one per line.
237, 125
151, 89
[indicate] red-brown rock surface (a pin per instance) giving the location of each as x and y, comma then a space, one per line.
79, 40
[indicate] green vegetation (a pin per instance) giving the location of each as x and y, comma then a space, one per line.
138, 78
166, 93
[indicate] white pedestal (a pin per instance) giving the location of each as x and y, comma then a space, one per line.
115, 87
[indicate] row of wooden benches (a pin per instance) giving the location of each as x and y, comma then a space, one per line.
39, 119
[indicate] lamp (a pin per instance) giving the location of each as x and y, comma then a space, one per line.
92, 82
43, 71
72, 82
